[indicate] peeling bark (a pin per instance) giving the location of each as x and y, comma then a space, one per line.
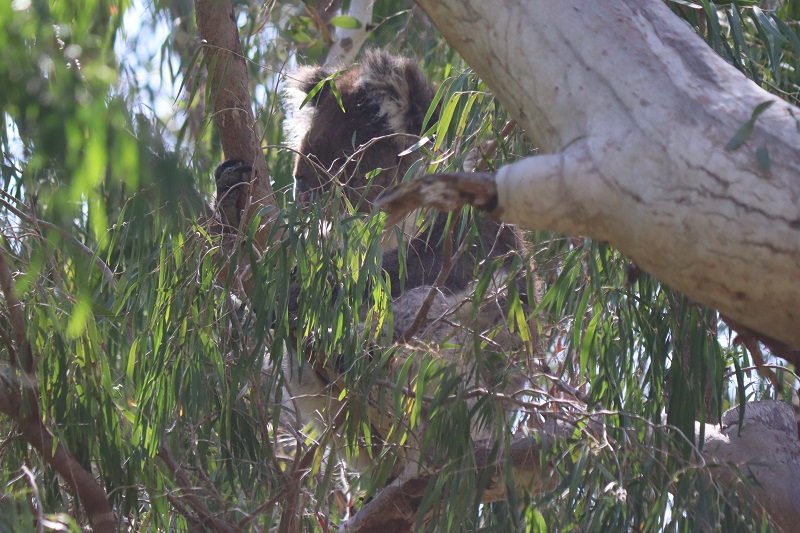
633, 113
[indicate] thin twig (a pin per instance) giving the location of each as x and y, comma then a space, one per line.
559, 383
479, 392
5, 338
206, 517
36, 498
88, 252
16, 314
300, 467
487, 154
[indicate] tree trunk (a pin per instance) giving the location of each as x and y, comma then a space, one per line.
637, 121
230, 99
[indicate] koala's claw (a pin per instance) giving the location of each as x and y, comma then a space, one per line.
231, 176
446, 192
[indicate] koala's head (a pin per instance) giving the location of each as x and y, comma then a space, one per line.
383, 95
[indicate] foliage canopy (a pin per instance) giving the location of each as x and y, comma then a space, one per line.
148, 369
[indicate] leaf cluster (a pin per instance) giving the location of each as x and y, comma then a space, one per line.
160, 364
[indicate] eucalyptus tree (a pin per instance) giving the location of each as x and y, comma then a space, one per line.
139, 341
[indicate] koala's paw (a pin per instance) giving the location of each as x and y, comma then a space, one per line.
232, 177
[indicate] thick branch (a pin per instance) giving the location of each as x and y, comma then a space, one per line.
637, 111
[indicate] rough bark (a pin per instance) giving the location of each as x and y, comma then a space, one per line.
632, 113
230, 98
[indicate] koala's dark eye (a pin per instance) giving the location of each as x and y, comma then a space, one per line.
386, 98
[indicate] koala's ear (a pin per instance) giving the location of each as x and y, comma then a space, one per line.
300, 83
296, 89
398, 88
306, 78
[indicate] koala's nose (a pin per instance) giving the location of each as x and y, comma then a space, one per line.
303, 190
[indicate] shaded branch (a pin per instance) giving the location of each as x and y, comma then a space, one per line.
394, 509
24, 409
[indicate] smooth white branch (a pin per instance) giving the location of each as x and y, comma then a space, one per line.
638, 114
349, 41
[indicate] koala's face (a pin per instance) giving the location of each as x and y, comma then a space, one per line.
385, 99
344, 146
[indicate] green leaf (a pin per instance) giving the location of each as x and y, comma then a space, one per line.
444, 120
329, 81
746, 129
346, 22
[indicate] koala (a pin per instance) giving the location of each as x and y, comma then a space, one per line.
384, 101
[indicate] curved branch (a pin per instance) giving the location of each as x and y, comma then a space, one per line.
638, 116
24, 409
